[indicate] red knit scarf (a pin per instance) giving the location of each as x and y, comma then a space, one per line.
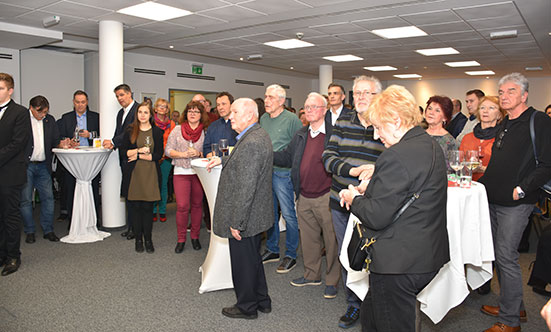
191, 134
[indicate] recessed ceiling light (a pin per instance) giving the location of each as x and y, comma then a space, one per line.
380, 68
437, 51
462, 64
408, 76
343, 58
154, 11
401, 32
289, 44
537, 68
171, 46
480, 72
241, 59
291, 67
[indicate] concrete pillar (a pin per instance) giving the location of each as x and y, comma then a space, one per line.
110, 75
325, 77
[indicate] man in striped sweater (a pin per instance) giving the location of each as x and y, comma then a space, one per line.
350, 151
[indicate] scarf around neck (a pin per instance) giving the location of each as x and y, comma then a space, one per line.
191, 134
162, 125
487, 133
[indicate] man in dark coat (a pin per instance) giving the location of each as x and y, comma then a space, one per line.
244, 208
15, 131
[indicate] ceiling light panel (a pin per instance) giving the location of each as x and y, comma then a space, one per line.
462, 64
380, 68
287, 44
480, 72
401, 32
154, 11
437, 51
408, 76
343, 58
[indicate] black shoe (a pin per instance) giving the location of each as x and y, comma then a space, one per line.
269, 256
12, 265
51, 236
350, 317
541, 291
125, 233
30, 238
234, 312
149, 247
264, 310
485, 289
130, 235
62, 217
179, 247
139, 246
196, 244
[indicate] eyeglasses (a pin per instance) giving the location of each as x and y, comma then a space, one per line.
313, 107
499, 141
162, 106
194, 112
493, 108
365, 93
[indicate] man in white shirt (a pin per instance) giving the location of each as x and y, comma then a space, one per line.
472, 100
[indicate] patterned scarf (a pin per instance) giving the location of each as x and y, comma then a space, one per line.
163, 125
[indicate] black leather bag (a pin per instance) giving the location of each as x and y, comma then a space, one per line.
546, 187
360, 245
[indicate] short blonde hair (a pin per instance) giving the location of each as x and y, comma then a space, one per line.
161, 101
394, 102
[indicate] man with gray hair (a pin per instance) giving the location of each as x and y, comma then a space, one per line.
281, 125
351, 151
512, 180
243, 208
312, 183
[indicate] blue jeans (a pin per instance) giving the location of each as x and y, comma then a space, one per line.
282, 189
40, 178
166, 166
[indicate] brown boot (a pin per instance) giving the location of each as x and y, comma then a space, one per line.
494, 311
500, 327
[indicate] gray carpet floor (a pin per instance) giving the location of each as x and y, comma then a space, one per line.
107, 286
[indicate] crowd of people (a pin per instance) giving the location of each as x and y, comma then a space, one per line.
312, 169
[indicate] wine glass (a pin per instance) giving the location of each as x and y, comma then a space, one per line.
214, 149
455, 159
147, 143
76, 136
223, 144
472, 159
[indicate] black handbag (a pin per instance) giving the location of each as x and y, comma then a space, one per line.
546, 187
360, 245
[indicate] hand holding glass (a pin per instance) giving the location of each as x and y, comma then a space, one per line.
147, 143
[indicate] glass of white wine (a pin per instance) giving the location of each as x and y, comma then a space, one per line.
472, 159
147, 143
456, 159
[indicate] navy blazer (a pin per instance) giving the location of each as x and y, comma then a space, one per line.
51, 140
15, 132
456, 125
68, 122
120, 130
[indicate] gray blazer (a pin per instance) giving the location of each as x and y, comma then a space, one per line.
244, 200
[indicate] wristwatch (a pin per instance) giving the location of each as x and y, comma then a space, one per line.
520, 193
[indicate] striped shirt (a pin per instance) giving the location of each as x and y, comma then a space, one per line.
351, 145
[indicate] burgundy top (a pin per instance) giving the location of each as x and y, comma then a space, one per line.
314, 180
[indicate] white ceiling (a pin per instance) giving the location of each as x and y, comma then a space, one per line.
226, 30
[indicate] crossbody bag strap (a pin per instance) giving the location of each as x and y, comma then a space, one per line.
533, 136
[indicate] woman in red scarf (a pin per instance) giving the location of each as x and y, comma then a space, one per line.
163, 121
185, 143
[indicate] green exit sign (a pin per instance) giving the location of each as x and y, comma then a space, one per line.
197, 69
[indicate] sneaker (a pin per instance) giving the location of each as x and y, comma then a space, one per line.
330, 292
162, 217
350, 317
154, 217
268, 257
287, 264
299, 282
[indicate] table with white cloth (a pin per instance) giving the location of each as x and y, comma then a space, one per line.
216, 269
84, 163
471, 254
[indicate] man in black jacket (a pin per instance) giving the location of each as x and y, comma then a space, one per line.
312, 184
15, 131
512, 181
88, 125
45, 136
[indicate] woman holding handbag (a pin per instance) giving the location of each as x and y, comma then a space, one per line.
404, 208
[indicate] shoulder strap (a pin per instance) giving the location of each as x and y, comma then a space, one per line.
533, 136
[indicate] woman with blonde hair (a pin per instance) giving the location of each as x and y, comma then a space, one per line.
413, 247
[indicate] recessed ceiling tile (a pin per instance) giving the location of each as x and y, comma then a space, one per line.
518, 51
35, 19
127, 20
323, 40
194, 6
264, 37
166, 27
417, 40
490, 10
321, 3
135, 34
8, 11
83, 28
197, 20
446, 28
231, 13
469, 43
275, 7
496, 22
292, 33
34, 4
337, 28
382, 23
436, 17
69, 8
448, 37
109, 5
377, 43
234, 42
359, 36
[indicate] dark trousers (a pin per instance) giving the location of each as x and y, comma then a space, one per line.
391, 300
60, 175
70, 183
249, 281
142, 218
541, 273
10, 221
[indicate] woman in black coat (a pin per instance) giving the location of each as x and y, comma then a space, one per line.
143, 145
407, 256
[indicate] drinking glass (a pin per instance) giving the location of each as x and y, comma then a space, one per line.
456, 158
76, 136
223, 144
472, 159
214, 149
147, 143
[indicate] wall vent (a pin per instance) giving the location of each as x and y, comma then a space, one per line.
6, 56
249, 82
196, 77
149, 71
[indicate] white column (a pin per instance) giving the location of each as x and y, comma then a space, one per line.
110, 75
325, 78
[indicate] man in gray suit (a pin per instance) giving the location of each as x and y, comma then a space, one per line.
244, 208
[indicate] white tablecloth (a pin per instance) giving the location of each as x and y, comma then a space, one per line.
84, 164
216, 269
471, 254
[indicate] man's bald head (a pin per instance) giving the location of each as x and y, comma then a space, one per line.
244, 112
